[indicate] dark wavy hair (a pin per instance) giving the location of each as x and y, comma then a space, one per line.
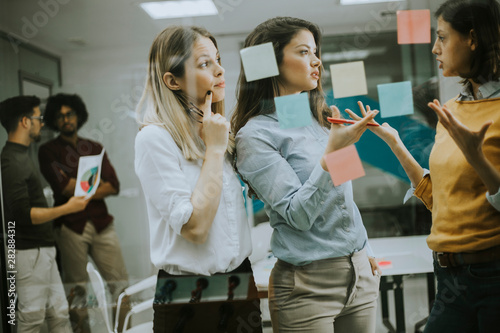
483, 18
54, 104
13, 109
257, 97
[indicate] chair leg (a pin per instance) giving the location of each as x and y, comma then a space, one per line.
124, 309
79, 319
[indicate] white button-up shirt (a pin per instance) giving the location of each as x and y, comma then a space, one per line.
168, 180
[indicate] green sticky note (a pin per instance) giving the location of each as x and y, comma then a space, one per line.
293, 110
396, 99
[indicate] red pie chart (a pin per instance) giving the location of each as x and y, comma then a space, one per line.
89, 179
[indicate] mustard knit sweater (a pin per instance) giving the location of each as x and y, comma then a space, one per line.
462, 219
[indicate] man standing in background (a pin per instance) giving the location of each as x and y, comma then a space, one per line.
92, 231
38, 282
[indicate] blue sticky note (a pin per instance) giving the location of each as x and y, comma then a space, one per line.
293, 110
396, 99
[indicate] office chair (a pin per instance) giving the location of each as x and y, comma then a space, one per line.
100, 293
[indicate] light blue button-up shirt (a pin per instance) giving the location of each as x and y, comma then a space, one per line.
312, 218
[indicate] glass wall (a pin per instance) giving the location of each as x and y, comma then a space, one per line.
379, 194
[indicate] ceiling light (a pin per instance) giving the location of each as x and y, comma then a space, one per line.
175, 9
360, 2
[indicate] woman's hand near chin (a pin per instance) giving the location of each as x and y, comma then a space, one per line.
215, 128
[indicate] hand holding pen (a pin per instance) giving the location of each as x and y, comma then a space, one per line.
342, 136
384, 131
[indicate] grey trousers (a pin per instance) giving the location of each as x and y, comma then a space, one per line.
40, 292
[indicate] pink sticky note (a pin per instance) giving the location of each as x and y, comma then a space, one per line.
414, 26
344, 165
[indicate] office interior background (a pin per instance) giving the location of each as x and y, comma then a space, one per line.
98, 49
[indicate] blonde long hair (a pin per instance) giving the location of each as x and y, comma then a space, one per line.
167, 108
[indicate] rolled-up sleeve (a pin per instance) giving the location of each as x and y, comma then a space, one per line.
273, 179
164, 184
423, 191
494, 199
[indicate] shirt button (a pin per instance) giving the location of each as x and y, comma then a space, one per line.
322, 202
343, 207
347, 229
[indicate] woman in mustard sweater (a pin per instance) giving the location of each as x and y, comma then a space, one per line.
462, 187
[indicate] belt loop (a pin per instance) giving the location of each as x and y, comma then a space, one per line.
459, 259
442, 259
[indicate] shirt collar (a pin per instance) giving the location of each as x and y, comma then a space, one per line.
17, 146
65, 142
273, 115
488, 90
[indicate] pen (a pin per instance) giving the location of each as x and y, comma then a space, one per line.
346, 121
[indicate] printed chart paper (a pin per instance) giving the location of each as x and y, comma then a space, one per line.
89, 174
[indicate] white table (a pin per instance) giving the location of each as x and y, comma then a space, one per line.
407, 255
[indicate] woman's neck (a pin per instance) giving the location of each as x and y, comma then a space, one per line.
474, 87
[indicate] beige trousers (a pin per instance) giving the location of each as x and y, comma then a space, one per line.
103, 248
330, 295
40, 292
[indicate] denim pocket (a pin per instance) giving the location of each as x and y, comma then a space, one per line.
485, 271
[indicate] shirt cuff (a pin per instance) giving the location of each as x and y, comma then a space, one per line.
321, 178
411, 190
181, 216
494, 199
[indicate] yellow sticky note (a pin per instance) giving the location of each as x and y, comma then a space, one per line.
348, 79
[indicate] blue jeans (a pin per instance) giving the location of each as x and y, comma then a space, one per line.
467, 300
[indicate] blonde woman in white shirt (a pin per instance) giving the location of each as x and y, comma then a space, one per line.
197, 218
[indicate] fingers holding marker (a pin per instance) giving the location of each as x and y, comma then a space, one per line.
335, 111
368, 118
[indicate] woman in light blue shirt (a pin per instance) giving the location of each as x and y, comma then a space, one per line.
324, 279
